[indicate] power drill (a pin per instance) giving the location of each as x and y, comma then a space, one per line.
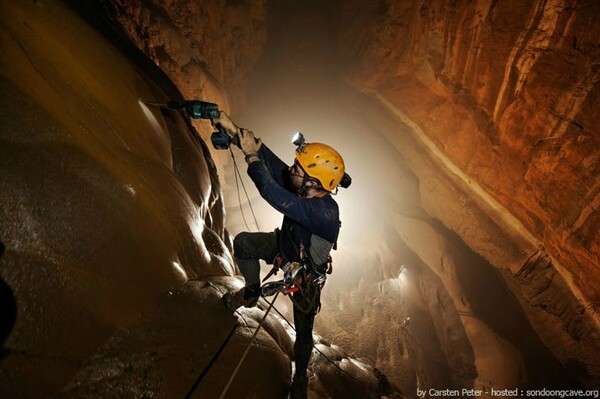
197, 109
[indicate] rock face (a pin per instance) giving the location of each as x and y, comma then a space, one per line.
503, 98
508, 92
206, 48
467, 96
113, 252
477, 119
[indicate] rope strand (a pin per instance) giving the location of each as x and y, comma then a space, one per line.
247, 348
210, 363
236, 173
245, 192
315, 348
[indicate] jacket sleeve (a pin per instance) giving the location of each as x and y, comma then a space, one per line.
276, 167
312, 213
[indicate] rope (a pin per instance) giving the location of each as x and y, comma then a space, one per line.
310, 304
236, 173
315, 348
215, 355
238, 179
247, 348
245, 192
210, 363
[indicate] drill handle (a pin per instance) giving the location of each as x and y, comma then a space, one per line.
221, 140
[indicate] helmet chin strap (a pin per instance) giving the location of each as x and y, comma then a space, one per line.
303, 190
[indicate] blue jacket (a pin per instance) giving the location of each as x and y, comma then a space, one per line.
312, 221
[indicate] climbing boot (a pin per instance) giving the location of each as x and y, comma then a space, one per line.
247, 297
299, 389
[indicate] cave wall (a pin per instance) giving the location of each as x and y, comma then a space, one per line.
485, 102
507, 175
500, 99
106, 205
188, 40
508, 92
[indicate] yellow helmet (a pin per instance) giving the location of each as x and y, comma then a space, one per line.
321, 162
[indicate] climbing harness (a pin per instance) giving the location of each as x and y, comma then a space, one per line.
292, 283
300, 278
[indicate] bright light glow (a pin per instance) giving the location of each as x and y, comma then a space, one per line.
196, 224
405, 322
197, 227
359, 364
397, 282
156, 125
129, 188
178, 268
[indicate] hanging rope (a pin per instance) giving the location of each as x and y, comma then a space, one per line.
210, 363
247, 348
238, 174
317, 349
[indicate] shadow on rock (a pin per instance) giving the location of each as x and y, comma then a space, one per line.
8, 310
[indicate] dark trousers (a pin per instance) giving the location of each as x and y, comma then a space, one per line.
248, 249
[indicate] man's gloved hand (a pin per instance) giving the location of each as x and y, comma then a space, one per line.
248, 143
225, 121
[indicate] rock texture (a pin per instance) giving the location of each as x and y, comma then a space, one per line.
502, 97
471, 325
509, 93
207, 48
482, 116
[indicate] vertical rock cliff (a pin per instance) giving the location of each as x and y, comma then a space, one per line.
503, 98
508, 93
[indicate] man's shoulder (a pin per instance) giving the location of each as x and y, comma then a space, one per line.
329, 198
326, 203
